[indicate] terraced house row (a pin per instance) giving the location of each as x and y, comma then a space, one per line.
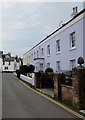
61, 49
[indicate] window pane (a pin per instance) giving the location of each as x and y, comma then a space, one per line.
48, 65
72, 64
41, 66
58, 66
37, 54
72, 36
42, 51
58, 46
48, 49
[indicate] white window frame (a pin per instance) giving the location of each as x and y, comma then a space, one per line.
72, 63
58, 46
6, 68
34, 54
42, 51
37, 53
48, 65
73, 40
41, 66
58, 67
48, 49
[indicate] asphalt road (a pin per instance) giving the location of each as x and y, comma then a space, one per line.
20, 102
0, 95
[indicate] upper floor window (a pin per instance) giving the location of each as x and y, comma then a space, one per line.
34, 54
72, 40
72, 64
58, 46
42, 51
48, 49
37, 53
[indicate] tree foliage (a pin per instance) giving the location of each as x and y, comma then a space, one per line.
48, 70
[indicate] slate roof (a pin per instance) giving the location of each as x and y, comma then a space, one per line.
58, 29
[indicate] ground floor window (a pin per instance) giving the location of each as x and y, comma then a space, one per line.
41, 66
72, 64
6, 68
48, 65
58, 66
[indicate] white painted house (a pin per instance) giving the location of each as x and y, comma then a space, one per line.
1, 61
61, 49
9, 63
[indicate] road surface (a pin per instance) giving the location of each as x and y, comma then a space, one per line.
20, 102
0, 95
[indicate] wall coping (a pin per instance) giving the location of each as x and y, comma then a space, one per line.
66, 86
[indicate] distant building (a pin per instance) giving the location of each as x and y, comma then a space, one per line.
61, 49
9, 63
26, 59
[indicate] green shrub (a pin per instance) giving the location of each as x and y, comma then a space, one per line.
40, 73
48, 70
31, 68
24, 69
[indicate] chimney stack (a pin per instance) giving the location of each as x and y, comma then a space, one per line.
75, 11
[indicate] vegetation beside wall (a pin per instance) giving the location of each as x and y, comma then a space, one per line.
24, 69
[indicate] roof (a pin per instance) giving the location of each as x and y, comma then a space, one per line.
9, 59
58, 29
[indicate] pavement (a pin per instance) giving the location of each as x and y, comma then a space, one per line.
0, 96
20, 101
47, 91
50, 92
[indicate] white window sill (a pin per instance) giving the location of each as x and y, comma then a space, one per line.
48, 55
58, 53
73, 48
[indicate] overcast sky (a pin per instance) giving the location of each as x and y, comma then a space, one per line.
24, 24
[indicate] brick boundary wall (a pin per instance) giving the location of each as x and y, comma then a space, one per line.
74, 93
79, 86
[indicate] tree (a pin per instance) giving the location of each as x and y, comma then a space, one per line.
24, 69
31, 68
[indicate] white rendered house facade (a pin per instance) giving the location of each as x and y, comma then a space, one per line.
0, 64
61, 49
9, 63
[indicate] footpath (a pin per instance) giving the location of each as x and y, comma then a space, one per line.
49, 92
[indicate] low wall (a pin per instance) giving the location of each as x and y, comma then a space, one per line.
74, 93
28, 79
